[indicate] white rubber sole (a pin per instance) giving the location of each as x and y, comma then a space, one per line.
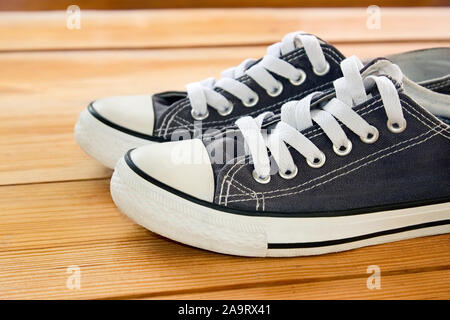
204, 227
102, 142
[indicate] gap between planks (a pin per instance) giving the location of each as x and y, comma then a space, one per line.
432, 42
76, 223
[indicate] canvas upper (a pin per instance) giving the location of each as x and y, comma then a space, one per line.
403, 166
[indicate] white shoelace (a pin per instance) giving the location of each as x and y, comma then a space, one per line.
297, 116
202, 94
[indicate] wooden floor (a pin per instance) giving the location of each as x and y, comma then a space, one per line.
55, 206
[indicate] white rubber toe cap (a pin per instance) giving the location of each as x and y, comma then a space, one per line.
182, 165
131, 112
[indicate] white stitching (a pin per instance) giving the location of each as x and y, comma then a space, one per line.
432, 121
172, 117
230, 183
347, 172
181, 104
405, 103
225, 178
437, 85
349, 164
252, 194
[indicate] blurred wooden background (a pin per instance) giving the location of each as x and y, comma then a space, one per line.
154, 4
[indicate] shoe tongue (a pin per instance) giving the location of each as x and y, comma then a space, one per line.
382, 67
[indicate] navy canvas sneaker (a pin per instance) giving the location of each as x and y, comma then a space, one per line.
363, 164
291, 69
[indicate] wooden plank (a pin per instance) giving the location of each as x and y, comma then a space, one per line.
412, 286
214, 27
45, 228
157, 4
53, 87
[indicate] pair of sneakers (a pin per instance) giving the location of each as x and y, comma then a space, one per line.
302, 152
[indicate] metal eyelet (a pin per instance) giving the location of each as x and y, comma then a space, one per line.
347, 148
371, 136
318, 161
276, 91
227, 110
199, 116
259, 179
251, 102
300, 79
289, 174
396, 127
322, 72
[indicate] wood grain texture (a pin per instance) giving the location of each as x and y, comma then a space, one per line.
145, 4
38, 115
214, 27
76, 223
413, 286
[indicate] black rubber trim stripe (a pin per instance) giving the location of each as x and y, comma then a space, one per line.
300, 245
315, 214
120, 128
